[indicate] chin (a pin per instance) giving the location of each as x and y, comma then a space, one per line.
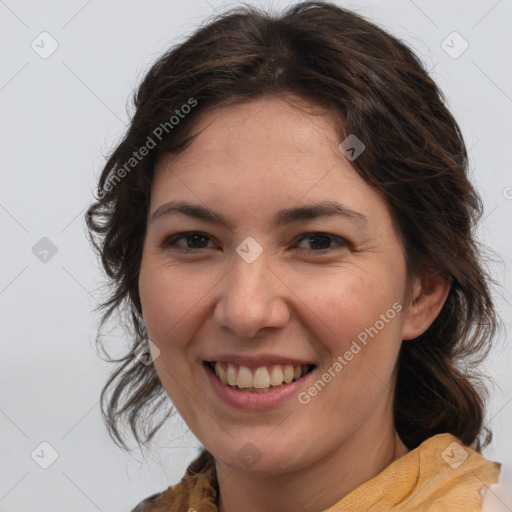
260, 455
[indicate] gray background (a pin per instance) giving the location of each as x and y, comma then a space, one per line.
60, 115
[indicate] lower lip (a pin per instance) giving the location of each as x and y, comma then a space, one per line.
255, 401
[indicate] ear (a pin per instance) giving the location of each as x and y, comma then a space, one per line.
427, 299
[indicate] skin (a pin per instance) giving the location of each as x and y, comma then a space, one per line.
249, 161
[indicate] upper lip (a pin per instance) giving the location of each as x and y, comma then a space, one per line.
256, 361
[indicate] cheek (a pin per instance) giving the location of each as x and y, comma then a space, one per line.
355, 317
165, 302
175, 303
347, 303
168, 302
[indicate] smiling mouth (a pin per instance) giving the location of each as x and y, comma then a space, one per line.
257, 380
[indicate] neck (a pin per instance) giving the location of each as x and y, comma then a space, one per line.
317, 487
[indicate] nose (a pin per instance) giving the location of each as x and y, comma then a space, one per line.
252, 299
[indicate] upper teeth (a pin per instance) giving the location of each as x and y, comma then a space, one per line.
258, 378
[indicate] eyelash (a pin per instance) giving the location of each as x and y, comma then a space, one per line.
171, 241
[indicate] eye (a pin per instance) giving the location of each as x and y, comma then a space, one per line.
319, 241
195, 240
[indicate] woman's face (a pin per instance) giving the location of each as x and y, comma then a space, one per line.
258, 295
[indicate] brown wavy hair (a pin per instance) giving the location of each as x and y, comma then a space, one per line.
415, 157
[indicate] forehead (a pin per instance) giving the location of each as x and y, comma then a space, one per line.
266, 154
264, 135
270, 129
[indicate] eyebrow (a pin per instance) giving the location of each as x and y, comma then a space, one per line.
282, 217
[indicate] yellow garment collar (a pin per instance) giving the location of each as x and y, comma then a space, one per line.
427, 479
440, 475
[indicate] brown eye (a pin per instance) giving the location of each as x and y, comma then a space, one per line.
193, 240
321, 241
196, 240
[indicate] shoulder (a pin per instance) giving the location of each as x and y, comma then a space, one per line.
199, 479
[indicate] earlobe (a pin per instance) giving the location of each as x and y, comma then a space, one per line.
427, 300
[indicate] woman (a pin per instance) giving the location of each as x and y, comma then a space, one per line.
290, 224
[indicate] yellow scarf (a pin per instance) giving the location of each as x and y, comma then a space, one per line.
440, 475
